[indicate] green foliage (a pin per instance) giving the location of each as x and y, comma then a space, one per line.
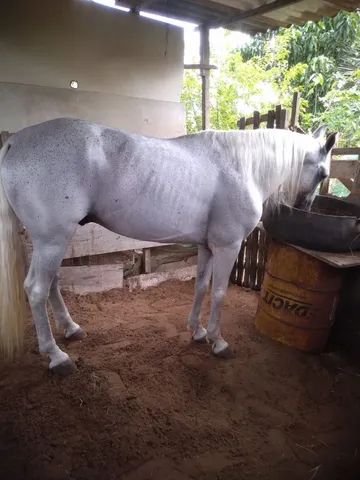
316, 57
191, 99
239, 88
342, 109
321, 60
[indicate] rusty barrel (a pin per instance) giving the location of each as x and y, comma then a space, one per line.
298, 298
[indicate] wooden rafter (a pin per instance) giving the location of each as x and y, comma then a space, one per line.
253, 12
242, 15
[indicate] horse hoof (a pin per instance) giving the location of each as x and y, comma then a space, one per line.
199, 336
221, 349
64, 369
226, 353
80, 334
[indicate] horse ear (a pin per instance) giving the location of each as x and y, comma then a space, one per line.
320, 131
331, 141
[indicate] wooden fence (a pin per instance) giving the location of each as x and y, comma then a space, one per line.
280, 117
347, 171
249, 268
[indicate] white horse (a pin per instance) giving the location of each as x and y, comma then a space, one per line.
207, 189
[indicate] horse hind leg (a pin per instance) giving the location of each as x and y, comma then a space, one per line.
203, 276
64, 323
46, 260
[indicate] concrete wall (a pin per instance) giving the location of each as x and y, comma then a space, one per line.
129, 69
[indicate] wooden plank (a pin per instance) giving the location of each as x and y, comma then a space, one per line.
247, 262
233, 274
241, 264
295, 109
346, 151
254, 257
242, 123
270, 119
284, 118
337, 260
278, 116
90, 279
92, 239
250, 120
256, 120
147, 260
154, 279
343, 168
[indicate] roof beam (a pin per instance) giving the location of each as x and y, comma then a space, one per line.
266, 8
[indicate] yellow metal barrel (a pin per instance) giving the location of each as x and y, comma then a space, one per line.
298, 298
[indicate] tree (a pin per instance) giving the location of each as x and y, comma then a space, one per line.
319, 59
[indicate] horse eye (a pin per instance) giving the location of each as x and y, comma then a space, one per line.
323, 173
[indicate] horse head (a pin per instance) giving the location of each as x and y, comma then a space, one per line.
316, 167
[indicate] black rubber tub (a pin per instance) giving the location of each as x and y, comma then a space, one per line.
332, 225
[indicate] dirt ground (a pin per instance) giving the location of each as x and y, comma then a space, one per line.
146, 403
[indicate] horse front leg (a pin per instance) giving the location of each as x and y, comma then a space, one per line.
45, 262
203, 276
223, 262
63, 320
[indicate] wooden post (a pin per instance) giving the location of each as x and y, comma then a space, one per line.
147, 260
242, 123
256, 120
284, 118
205, 75
295, 110
277, 116
270, 119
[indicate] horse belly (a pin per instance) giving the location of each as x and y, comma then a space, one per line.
172, 214
152, 222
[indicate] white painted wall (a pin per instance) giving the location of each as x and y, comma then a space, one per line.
129, 68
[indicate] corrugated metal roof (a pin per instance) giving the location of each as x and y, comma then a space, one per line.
245, 15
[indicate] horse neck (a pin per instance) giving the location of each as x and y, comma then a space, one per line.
269, 159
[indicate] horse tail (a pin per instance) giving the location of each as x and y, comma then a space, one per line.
12, 273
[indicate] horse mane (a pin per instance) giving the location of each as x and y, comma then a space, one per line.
267, 155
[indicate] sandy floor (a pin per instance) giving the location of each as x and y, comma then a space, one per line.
145, 403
